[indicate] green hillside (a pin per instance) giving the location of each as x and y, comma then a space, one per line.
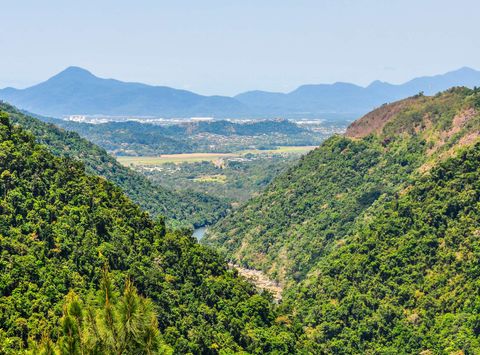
406, 279
376, 235
60, 227
131, 138
381, 229
186, 207
314, 205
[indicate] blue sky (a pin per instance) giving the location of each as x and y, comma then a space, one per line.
226, 47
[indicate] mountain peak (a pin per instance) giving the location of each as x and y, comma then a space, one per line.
377, 84
465, 70
75, 70
73, 73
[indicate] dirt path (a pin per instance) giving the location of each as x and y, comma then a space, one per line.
259, 279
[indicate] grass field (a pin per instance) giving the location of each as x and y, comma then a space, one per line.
282, 149
220, 179
196, 157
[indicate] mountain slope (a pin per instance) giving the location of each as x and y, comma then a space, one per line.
77, 91
313, 206
60, 227
406, 279
188, 207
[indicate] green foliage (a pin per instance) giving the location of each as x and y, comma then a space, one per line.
181, 208
407, 279
236, 180
387, 247
60, 226
135, 138
313, 206
293, 223
106, 324
383, 234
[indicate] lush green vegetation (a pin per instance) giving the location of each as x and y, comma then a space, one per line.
233, 179
288, 227
406, 281
315, 204
185, 207
134, 138
377, 236
382, 232
108, 323
60, 227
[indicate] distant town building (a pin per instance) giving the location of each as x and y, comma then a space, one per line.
77, 118
195, 119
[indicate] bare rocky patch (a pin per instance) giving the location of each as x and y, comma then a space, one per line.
374, 121
260, 280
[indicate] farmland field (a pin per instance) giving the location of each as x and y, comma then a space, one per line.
198, 157
233, 176
173, 158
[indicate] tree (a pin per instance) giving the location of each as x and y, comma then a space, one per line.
106, 324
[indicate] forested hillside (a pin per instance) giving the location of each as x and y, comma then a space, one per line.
313, 206
381, 229
179, 207
142, 138
405, 280
375, 233
65, 232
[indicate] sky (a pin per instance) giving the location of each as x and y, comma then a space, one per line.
226, 47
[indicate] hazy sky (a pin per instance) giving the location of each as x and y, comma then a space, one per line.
226, 46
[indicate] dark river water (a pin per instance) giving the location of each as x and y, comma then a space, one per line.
199, 232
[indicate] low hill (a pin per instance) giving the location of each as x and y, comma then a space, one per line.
185, 208
136, 138
310, 208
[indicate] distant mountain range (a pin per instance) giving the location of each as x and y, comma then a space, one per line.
77, 91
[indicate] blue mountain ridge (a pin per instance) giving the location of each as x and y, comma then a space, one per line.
78, 91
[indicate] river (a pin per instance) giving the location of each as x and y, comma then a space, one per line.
199, 233
256, 277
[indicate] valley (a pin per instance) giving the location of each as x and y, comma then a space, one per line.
369, 236
149, 161
139, 137
234, 177
240, 178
